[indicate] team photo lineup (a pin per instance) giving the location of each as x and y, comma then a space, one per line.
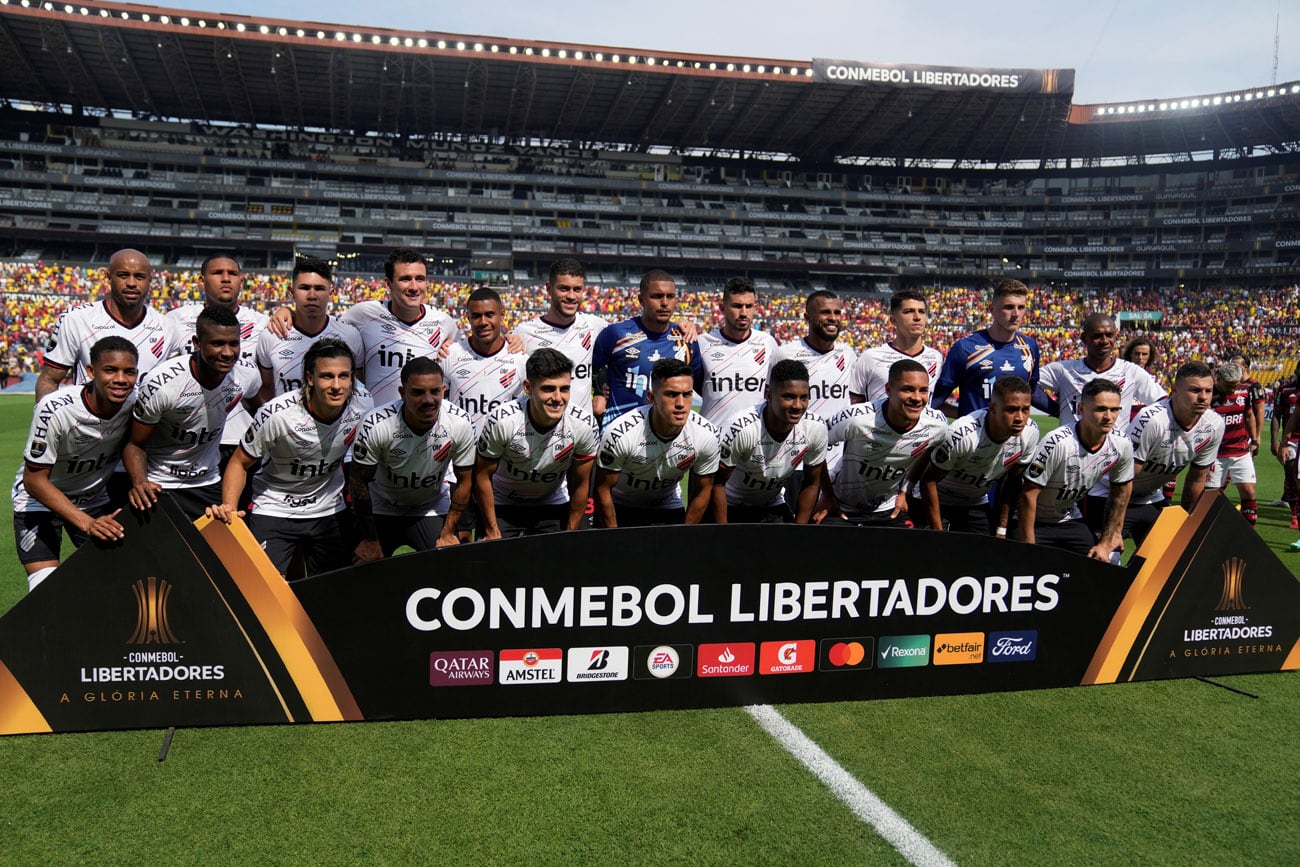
341, 438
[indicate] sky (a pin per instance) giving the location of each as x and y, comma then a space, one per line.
1120, 51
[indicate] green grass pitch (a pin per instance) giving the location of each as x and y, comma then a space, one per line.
1176, 772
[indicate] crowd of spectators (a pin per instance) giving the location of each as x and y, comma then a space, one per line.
1194, 324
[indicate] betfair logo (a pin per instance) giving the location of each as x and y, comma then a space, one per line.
1234, 570
151, 623
958, 648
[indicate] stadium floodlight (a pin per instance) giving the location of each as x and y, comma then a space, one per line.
1272, 92
731, 67
164, 19
562, 53
1184, 104
144, 17
1218, 100
394, 41
423, 43
478, 46
320, 34
577, 55
1259, 94
514, 49
546, 52
49, 7
283, 31
614, 59
745, 68
103, 13
460, 46
263, 29
375, 39
529, 51
631, 58
649, 61
761, 69
599, 56
1295, 88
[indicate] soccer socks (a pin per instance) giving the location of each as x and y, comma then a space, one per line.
37, 577
1250, 510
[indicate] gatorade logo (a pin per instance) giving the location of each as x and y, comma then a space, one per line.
787, 657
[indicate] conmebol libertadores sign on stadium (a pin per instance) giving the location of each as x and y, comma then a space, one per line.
905, 75
182, 626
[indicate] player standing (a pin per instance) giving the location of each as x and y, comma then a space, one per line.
1236, 464
1286, 447
736, 357
565, 327
975, 361
1066, 379
908, 315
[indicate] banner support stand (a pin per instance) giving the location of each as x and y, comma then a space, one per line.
166, 744
1227, 687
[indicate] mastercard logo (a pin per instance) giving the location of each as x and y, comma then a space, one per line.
844, 654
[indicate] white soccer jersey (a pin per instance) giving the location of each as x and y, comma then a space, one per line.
534, 464
876, 456
828, 374
283, 355
735, 373
411, 468
388, 343
576, 341
974, 462
251, 325
1164, 448
870, 372
80, 328
761, 464
184, 450
79, 448
478, 384
650, 469
1065, 471
302, 457
1066, 380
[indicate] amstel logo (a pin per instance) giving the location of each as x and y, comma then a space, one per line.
1234, 570
151, 625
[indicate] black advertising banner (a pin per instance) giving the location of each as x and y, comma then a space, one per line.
951, 78
181, 625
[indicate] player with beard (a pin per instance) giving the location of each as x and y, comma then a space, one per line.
908, 314
1065, 379
181, 410
736, 357
301, 438
401, 459
535, 456
884, 441
760, 450
975, 361
1168, 437
72, 447
645, 453
983, 452
1067, 463
124, 312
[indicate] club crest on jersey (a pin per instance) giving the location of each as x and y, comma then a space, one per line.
586, 340
157, 347
565, 453
246, 331
839, 362
435, 338
352, 434
686, 461
441, 453
508, 377
1011, 460
798, 456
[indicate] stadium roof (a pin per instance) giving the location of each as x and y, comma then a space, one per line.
169, 63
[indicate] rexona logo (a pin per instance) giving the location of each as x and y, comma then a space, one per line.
597, 663
534, 665
662, 661
787, 657
958, 648
846, 654
735, 659
460, 668
903, 651
1018, 646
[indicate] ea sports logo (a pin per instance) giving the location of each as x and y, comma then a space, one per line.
663, 661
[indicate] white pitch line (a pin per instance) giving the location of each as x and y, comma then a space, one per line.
864, 803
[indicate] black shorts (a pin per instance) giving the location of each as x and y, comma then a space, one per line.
326, 543
883, 520
636, 516
1139, 519
193, 501
38, 536
779, 514
956, 519
419, 531
532, 520
1067, 536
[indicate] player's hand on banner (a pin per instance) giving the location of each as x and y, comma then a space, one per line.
368, 550
446, 541
224, 513
105, 528
279, 322
143, 496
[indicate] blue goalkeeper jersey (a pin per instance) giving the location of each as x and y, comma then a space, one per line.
976, 361
626, 351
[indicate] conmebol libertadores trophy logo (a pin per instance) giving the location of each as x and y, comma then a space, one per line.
1234, 570
151, 626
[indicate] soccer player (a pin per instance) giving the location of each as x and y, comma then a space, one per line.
978, 452
646, 451
280, 358
301, 438
72, 447
884, 441
1286, 446
223, 281
908, 315
829, 362
1065, 379
400, 464
1236, 464
125, 312
565, 327
401, 328
627, 351
975, 361
760, 450
181, 410
1065, 466
1167, 438
535, 455
736, 357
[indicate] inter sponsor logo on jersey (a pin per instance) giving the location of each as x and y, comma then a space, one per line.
734, 659
662, 661
1019, 645
958, 648
531, 665
587, 664
846, 654
787, 657
903, 651
460, 668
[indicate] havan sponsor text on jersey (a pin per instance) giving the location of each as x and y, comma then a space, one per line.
876, 456
762, 463
251, 325
651, 469
973, 461
533, 463
412, 468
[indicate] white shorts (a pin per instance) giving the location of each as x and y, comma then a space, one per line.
1232, 471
